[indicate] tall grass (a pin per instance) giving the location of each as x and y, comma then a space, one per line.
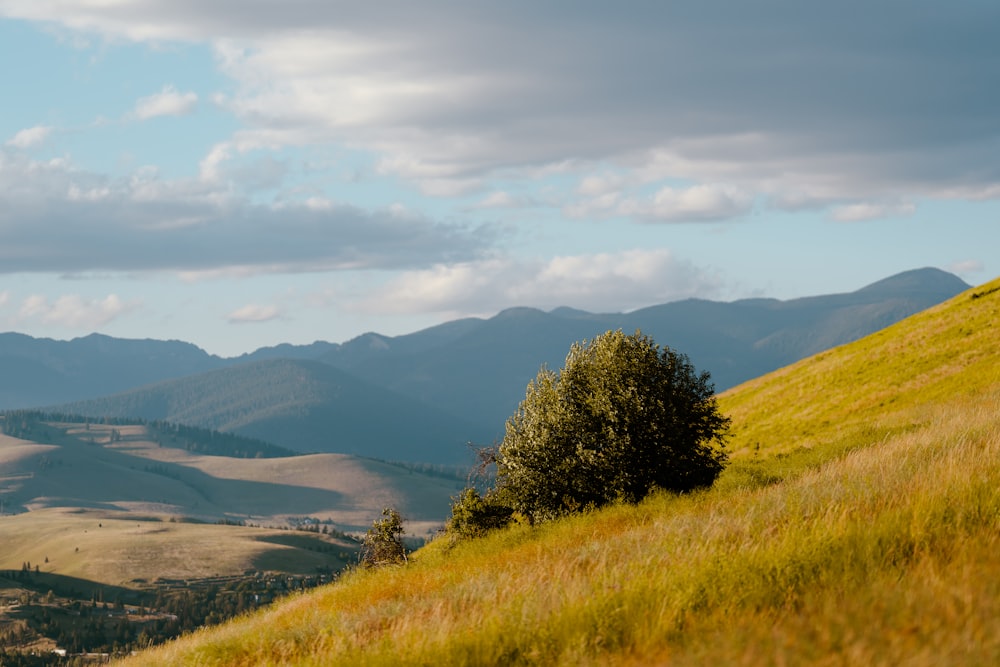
870, 536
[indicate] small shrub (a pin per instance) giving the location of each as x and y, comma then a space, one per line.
473, 515
383, 543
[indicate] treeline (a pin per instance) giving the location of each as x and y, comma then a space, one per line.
443, 470
215, 443
36, 425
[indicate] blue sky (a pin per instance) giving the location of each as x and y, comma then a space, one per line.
243, 173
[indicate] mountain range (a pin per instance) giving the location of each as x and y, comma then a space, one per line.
424, 395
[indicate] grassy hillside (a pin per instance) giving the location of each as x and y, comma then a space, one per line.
858, 524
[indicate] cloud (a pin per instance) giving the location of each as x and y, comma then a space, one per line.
799, 103
618, 281
4, 298
598, 185
966, 266
871, 211
697, 203
29, 137
253, 312
55, 217
73, 311
501, 199
167, 102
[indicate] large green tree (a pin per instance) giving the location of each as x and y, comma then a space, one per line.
622, 418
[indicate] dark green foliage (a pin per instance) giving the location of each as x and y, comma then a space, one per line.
473, 515
622, 418
383, 543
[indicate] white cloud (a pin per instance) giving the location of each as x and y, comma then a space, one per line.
29, 137
697, 203
871, 211
254, 312
501, 199
617, 281
966, 266
861, 113
167, 102
56, 217
73, 311
4, 298
598, 185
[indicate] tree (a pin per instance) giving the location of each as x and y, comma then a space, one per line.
622, 418
383, 543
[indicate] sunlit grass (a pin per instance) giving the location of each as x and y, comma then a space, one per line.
864, 530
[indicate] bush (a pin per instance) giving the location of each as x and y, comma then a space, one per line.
383, 543
473, 515
621, 419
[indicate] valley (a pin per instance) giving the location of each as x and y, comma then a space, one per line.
276, 466
118, 535
857, 523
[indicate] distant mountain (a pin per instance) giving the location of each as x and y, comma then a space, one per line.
306, 406
480, 368
41, 371
418, 396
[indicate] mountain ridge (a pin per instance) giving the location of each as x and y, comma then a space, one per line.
470, 371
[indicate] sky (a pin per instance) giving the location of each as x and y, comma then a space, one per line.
241, 173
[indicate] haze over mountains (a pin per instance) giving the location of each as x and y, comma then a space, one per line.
422, 396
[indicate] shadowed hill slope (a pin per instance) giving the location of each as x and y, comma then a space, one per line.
303, 405
857, 524
136, 471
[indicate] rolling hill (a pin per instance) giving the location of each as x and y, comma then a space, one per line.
133, 471
858, 523
306, 406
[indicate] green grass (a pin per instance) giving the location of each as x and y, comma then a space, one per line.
859, 523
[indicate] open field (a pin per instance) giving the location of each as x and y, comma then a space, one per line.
84, 468
859, 523
136, 551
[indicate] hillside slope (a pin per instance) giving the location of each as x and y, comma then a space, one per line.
306, 406
858, 524
85, 470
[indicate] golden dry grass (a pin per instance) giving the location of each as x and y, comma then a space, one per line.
864, 530
96, 546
